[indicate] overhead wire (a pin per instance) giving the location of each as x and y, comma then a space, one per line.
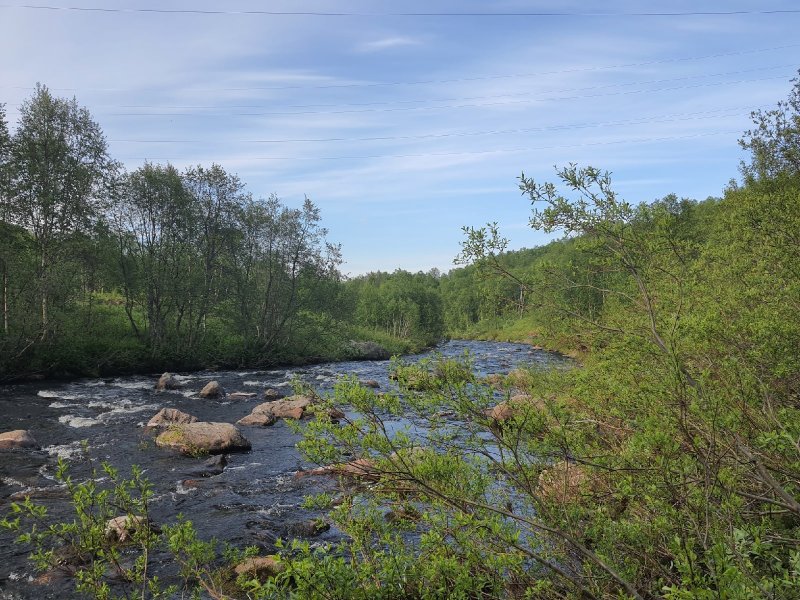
311, 13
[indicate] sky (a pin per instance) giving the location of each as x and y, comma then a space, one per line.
406, 121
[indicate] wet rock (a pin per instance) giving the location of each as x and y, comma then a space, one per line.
212, 390
241, 395
168, 381
308, 529
170, 416
214, 465
273, 394
401, 514
203, 438
19, 438
257, 419
260, 567
371, 383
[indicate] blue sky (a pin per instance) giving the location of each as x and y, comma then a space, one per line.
403, 129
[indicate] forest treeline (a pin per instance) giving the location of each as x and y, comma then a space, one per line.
108, 271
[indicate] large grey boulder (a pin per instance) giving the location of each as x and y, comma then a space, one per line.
19, 438
203, 438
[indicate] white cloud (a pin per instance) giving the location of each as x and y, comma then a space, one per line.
388, 43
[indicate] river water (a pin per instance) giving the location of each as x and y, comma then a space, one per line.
255, 500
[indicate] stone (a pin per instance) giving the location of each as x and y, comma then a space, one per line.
203, 438
259, 419
308, 529
212, 390
170, 416
168, 381
371, 383
260, 567
512, 407
19, 438
121, 529
291, 407
273, 394
214, 465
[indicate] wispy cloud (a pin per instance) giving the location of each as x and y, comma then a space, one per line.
388, 43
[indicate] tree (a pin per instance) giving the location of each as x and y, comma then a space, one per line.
774, 143
60, 169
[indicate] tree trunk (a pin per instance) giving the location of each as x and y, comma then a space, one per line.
5, 298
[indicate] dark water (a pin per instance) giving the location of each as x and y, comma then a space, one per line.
255, 500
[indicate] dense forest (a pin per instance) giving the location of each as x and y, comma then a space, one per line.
665, 464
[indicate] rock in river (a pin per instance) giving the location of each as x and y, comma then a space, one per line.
19, 438
203, 438
170, 416
168, 381
212, 390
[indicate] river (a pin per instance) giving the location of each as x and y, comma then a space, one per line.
255, 500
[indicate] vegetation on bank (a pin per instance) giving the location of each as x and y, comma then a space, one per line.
666, 465
104, 271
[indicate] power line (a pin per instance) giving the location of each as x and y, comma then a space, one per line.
670, 118
457, 99
453, 80
441, 107
276, 13
462, 153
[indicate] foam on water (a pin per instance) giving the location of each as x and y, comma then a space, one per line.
134, 385
63, 405
54, 394
77, 422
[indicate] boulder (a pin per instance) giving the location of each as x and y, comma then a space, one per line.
308, 529
273, 394
214, 465
203, 438
260, 567
170, 416
257, 419
510, 408
168, 381
121, 529
212, 390
371, 383
291, 407
19, 438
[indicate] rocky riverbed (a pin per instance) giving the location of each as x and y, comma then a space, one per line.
247, 496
